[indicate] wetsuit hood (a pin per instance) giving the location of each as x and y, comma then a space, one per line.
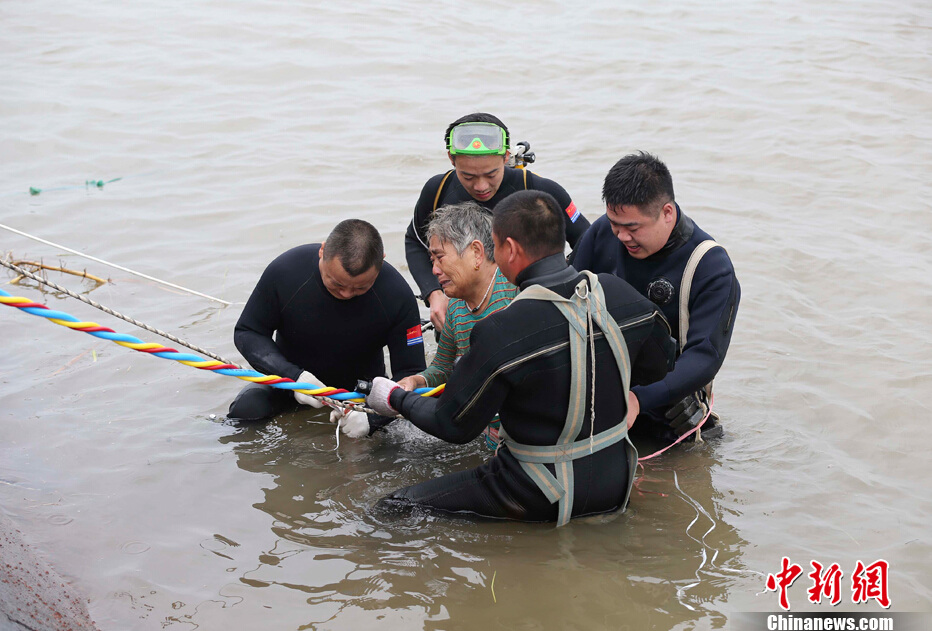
548, 271
681, 233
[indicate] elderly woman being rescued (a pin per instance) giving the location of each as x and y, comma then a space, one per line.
460, 244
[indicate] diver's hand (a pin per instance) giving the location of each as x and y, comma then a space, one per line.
306, 399
353, 424
438, 302
380, 394
413, 382
686, 414
634, 408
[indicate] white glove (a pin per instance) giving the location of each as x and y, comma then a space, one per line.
379, 396
353, 424
306, 399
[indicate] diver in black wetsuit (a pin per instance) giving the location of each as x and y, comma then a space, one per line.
333, 306
646, 239
527, 363
481, 175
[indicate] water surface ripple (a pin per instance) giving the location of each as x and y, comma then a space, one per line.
798, 133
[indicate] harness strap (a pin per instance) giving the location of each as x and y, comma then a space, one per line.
440, 189
686, 285
559, 488
570, 451
545, 481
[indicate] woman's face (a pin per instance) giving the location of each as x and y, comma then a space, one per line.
457, 274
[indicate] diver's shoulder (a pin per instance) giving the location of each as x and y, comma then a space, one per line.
715, 259
538, 182
298, 255
391, 279
433, 182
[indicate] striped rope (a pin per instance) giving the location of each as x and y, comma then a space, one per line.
116, 314
333, 396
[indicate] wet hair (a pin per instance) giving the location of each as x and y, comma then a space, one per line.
533, 219
641, 180
357, 244
461, 224
476, 117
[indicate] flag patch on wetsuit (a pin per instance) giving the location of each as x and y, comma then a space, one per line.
573, 212
414, 335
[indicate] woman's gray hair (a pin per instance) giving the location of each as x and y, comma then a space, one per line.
461, 224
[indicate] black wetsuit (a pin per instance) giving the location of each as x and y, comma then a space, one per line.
518, 364
713, 303
338, 341
453, 192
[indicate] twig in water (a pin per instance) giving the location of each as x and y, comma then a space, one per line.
39, 265
70, 362
114, 265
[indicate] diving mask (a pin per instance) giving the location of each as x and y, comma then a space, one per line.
477, 139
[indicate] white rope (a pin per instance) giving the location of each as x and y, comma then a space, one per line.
343, 405
119, 267
108, 310
590, 333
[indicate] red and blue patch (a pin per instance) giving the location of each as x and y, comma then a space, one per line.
572, 212
414, 335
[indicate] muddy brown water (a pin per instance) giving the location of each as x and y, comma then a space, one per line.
798, 134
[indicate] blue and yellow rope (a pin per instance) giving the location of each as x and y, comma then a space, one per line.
189, 359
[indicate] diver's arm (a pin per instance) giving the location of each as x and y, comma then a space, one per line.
472, 396
597, 250
656, 355
405, 340
416, 250
713, 305
419, 264
255, 328
574, 229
